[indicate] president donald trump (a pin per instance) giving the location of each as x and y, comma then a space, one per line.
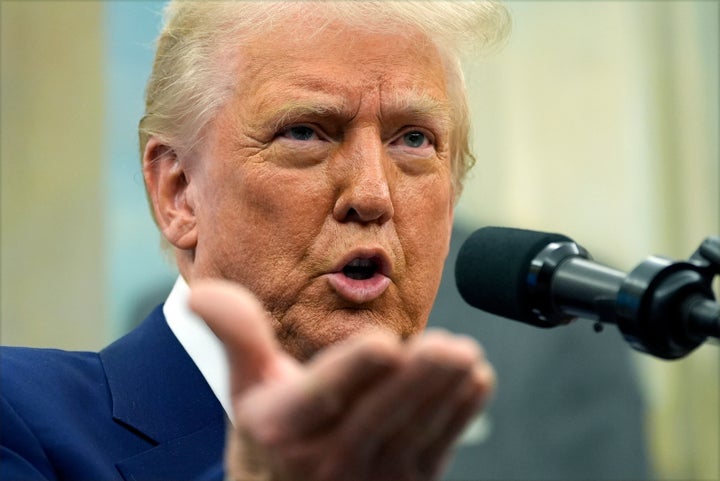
302, 161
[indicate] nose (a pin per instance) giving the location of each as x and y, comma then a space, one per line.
364, 187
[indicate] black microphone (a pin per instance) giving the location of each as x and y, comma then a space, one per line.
662, 307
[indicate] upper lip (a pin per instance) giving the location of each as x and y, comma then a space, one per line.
377, 255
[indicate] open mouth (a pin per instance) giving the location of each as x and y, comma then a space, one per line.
361, 269
362, 277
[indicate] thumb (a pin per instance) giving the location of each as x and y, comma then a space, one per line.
238, 319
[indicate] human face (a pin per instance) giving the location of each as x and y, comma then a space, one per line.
324, 185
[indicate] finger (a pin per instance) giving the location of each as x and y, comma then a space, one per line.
438, 364
434, 364
340, 375
434, 419
408, 448
430, 419
244, 459
317, 399
432, 460
238, 319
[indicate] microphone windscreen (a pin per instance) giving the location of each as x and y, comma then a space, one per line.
492, 268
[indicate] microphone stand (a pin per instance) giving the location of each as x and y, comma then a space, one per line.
666, 308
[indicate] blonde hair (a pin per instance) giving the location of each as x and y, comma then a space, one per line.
193, 74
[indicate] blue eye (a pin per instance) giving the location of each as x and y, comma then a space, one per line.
414, 139
299, 132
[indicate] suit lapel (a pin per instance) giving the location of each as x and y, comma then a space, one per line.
158, 392
193, 457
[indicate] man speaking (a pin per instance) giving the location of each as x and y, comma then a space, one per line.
302, 160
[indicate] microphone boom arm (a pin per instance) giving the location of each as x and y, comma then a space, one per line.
661, 307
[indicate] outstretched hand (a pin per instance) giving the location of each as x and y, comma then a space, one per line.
369, 408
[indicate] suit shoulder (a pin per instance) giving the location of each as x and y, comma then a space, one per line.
56, 415
31, 377
19, 363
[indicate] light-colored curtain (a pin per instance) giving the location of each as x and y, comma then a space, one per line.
600, 120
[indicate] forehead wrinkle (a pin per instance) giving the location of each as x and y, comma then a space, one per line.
303, 96
296, 86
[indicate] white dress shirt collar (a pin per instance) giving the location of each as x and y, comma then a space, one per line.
201, 344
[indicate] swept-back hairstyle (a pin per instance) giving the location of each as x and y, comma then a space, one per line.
196, 63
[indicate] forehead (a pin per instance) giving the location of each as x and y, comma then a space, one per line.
341, 64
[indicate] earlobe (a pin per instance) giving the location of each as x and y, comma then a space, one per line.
170, 194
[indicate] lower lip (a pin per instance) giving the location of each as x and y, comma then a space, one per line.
358, 291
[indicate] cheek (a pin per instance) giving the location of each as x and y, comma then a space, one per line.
264, 219
425, 225
259, 195
427, 214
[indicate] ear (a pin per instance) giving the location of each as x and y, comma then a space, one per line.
169, 193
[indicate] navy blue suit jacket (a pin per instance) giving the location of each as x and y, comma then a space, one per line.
137, 410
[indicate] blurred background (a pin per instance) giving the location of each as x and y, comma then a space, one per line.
598, 119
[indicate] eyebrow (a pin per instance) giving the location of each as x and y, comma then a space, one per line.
298, 109
327, 101
419, 105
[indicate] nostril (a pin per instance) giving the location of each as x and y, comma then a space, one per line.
352, 215
364, 204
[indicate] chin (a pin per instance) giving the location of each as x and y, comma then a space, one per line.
303, 340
